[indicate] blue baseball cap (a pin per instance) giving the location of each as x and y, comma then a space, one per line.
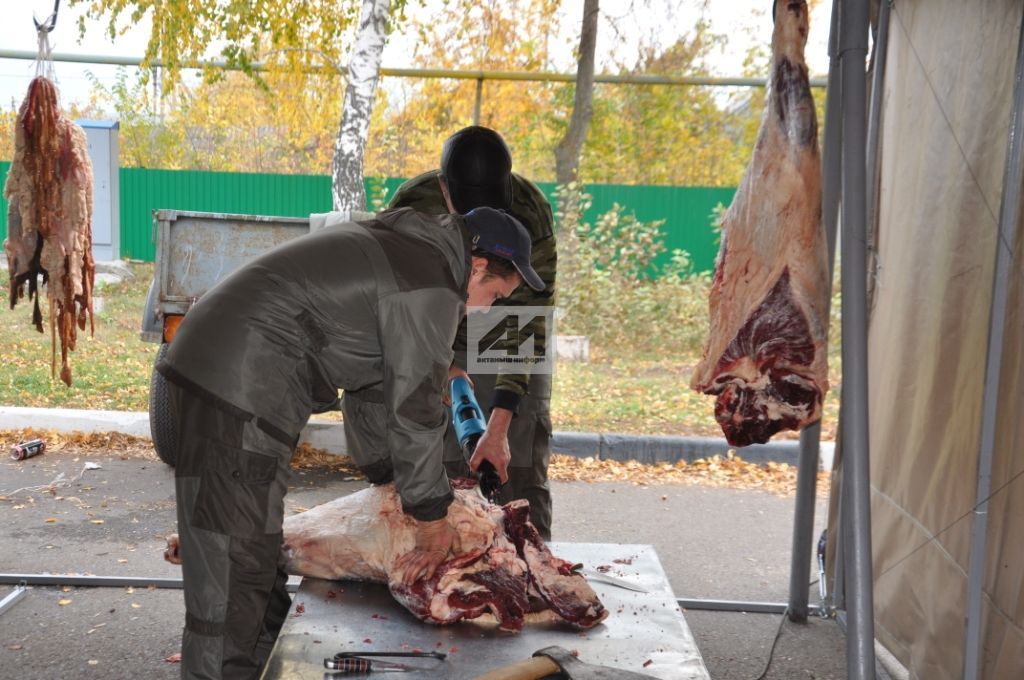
499, 233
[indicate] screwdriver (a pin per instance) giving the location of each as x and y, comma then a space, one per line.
345, 663
355, 664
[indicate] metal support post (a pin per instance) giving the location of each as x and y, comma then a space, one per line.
875, 116
853, 49
1006, 237
810, 438
477, 101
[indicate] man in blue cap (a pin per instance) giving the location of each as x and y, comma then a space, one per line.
371, 308
476, 170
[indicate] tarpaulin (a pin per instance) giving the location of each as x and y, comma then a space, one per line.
944, 138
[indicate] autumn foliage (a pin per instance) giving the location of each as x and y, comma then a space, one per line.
285, 119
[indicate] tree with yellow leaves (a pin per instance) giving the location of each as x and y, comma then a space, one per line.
294, 37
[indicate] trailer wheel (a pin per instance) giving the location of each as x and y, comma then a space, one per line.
161, 421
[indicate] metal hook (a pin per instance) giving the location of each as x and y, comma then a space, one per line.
50, 22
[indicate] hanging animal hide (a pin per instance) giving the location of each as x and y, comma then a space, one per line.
49, 189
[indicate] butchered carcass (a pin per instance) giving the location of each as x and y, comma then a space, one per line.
765, 358
502, 566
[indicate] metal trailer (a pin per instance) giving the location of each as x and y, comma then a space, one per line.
195, 250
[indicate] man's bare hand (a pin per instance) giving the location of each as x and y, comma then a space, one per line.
493, 444
172, 553
435, 542
454, 371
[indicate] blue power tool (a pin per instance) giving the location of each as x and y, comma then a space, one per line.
469, 425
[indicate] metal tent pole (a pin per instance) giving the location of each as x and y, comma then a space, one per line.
875, 114
1009, 218
853, 48
810, 438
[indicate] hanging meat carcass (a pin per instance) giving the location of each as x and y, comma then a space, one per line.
49, 189
765, 358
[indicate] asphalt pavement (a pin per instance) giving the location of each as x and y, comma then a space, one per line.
714, 543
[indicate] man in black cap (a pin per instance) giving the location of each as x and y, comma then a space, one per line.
476, 170
368, 307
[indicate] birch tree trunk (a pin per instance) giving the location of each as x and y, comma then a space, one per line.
347, 190
567, 153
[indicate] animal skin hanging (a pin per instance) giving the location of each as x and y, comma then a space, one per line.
49, 189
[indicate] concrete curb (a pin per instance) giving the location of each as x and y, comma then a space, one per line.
659, 449
329, 435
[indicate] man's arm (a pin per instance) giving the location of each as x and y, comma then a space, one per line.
534, 211
416, 329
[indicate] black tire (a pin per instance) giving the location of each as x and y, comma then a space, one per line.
161, 420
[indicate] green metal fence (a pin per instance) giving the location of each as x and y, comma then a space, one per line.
686, 210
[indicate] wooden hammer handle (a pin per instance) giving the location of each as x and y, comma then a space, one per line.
532, 669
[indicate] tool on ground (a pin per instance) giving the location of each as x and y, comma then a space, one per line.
553, 660
468, 419
358, 662
28, 449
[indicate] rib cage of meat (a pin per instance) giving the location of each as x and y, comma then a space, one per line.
502, 566
765, 357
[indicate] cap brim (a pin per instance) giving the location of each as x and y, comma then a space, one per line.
465, 197
530, 276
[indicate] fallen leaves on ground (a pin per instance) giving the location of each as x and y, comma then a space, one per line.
308, 458
718, 471
115, 443
729, 471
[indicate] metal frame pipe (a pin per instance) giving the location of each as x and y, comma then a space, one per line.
875, 116
13, 598
739, 606
810, 438
423, 73
1006, 238
103, 581
478, 100
853, 49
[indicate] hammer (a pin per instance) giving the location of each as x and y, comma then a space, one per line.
558, 661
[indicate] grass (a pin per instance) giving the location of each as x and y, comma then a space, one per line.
614, 392
109, 370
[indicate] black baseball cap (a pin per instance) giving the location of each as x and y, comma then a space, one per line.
477, 167
498, 233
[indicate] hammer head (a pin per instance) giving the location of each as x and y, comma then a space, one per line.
574, 669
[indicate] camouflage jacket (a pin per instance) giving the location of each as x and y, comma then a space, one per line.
529, 205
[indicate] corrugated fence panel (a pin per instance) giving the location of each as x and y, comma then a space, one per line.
686, 210
143, 191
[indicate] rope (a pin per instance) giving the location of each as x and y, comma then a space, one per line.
44, 53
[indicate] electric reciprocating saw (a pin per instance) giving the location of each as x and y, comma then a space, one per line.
469, 425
